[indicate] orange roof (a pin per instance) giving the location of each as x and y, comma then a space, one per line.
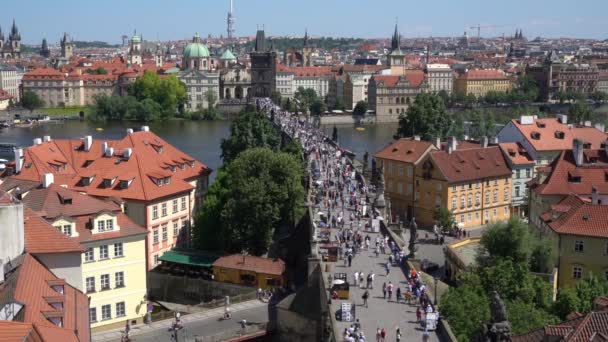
251, 263
42, 238
44, 73
12, 331
484, 74
413, 77
314, 71
406, 150
471, 164
516, 153
145, 161
550, 134
578, 217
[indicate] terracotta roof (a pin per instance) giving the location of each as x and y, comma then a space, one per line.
566, 178
582, 218
44, 73
30, 285
471, 164
549, 134
252, 263
314, 71
12, 331
516, 153
406, 150
414, 77
145, 160
487, 74
42, 238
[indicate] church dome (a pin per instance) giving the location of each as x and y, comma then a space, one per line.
135, 39
228, 55
196, 49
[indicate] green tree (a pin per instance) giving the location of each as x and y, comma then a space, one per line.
457, 129
444, 218
427, 117
276, 97
478, 123
318, 107
444, 96
599, 96
257, 192
466, 307
505, 240
490, 124
542, 258
147, 110
306, 97
168, 92
100, 71
31, 101
360, 108
525, 317
580, 112
339, 105
249, 130
470, 100
566, 303
588, 289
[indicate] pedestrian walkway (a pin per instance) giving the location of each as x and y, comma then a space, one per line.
115, 335
342, 203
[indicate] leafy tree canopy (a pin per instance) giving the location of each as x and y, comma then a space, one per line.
427, 117
249, 130
31, 101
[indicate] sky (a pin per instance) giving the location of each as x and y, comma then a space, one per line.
108, 20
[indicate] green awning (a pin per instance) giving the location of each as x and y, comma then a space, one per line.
188, 258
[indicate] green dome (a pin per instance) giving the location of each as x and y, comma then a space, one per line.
228, 55
135, 39
196, 49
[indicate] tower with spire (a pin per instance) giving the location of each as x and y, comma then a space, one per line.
263, 67
396, 58
230, 21
44, 49
12, 47
135, 51
67, 46
306, 50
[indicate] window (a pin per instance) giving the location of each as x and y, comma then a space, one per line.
461, 201
155, 212
462, 218
487, 197
119, 279
89, 255
400, 170
110, 224
174, 206
155, 259
67, 229
495, 213
579, 246
470, 200
437, 201
118, 250
477, 198
165, 233
517, 191
506, 180
410, 171
164, 209
470, 217
453, 203
106, 312
496, 181
577, 272
101, 226
175, 229
506, 211
92, 315
155, 236
90, 284
517, 173
495, 197
454, 188
506, 194
528, 173
439, 187
120, 309
462, 187
400, 188
184, 203
103, 252
105, 282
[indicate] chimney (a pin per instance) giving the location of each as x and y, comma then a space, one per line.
37, 141
104, 147
587, 123
595, 197
47, 180
88, 142
452, 143
577, 151
145, 128
484, 141
110, 152
563, 118
129, 130
128, 152
494, 140
18, 159
600, 127
417, 137
437, 142
46, 138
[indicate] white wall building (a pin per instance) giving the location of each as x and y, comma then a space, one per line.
439, 77
10, 80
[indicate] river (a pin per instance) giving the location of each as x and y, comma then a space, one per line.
200, 139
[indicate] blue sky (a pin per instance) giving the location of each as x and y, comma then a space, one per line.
107, 20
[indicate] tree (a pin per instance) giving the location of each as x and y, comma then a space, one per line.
457, 129
444, 218
542, 258
588, 289
334, 134
256, 193
148, 110
478, 123
580, 112
31, 101
168, 92
506, 240
444, 96
427, 117
100, 71
249, 130
525, 317
360, 108
566, 303
599, 96
490, 124
306, 97
466, 307
339, 105
276, 97
318, 107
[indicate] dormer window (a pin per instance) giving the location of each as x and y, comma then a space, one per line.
167, 180
108, 182
587, 146
540, 124
574, 178
535, 135
87, 180
191, 164
125, 183
559, 134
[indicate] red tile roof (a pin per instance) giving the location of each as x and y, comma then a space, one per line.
42, 238
578, 217
406, 150
471, 164
252, 263
12, 331
487, 74
516, 153
151, 155
592, 327
550, 138
414, 77
44, 73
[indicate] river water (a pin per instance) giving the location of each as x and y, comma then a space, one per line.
200, 139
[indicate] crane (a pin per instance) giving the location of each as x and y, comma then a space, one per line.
479, 27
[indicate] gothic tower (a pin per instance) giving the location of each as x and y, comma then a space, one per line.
44, 49
1, 41
15, 41
135, 52
396, 58
158, 56
67, 46
263, 67
306, 51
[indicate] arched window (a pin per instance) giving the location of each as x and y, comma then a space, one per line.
477, 198
454, 203
507, 195
462, 201
495, 195
470, 200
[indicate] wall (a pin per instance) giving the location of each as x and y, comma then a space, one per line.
291, 326
12, 239
233, 276
593, 259
64, 265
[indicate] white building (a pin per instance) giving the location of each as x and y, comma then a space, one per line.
288, 80
10, 80
439, 77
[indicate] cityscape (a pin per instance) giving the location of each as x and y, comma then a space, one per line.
323, 174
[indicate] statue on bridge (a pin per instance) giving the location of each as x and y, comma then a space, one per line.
499, 329
380, 201
413, 237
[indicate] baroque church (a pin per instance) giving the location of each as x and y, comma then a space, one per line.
10, 48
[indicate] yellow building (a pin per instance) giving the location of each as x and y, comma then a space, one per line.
578, 229
472, 181
399, 161
113, 265
480, 82
250, 271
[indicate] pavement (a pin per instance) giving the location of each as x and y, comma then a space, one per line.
206, 323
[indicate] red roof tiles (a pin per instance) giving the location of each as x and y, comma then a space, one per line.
471, 164
581, 218
516, 153
42, 238
413, 77
485, 74
406, 150
550, 134
251, 263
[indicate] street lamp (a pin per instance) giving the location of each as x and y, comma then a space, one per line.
435, 279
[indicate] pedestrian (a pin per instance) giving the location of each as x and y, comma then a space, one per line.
418, 314
398, 295
384, 290
365, 297
389, 288
398, 335
350, 259
425, 335
356, 278
382, 334
388, 268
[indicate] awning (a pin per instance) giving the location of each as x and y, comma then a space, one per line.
188, 258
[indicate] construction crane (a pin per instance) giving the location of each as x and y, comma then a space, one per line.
479, 27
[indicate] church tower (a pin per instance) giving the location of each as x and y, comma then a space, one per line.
67, 46
135, 52
263, 67
14, 40
158, 56
44, 49
396, 58
306, 51
1, 41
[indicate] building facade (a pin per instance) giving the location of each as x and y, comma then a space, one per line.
439, 77
480, 82
11, 48
10, 80
390, 96
263, 67
523, 169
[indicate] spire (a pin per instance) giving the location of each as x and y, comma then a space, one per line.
1, 34
44, 44
306, 38
396, 41
14, 35
260, 41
